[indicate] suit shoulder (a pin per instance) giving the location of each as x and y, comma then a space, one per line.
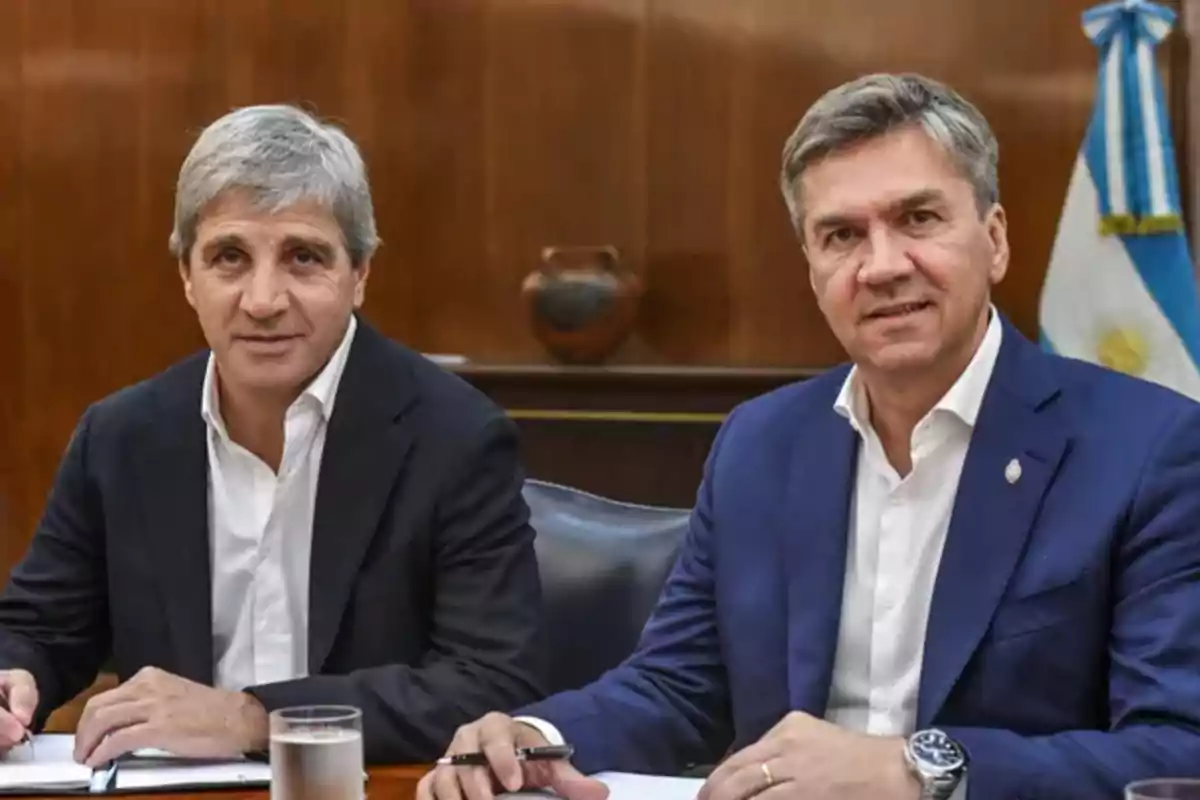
808, 399
139, 401
1106, 393
447, 403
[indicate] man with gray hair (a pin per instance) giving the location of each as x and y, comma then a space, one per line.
306, 513
957, 566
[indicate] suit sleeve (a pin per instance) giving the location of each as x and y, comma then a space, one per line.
666, 707
1154, 656
486, 648
54, 608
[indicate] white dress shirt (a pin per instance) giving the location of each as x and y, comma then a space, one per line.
260, 535
898, 527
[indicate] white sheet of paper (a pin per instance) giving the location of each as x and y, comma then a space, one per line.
236, 773
50, 763
47, 763
627, 786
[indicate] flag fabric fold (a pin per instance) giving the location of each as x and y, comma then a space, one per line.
1120, 289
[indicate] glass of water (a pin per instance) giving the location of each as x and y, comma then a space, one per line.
316, 752
1164, 789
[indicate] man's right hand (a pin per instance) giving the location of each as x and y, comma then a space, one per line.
19, 691
498, 736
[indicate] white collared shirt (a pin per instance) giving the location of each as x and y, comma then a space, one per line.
898, 528
260, 535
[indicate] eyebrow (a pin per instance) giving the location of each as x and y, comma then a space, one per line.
221, 242
907, 203
917, 199
321, 247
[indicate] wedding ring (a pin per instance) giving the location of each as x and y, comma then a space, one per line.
766, 771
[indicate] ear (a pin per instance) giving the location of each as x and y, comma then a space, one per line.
997, 231
185, 275
360, 273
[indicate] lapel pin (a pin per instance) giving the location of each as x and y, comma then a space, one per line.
1012, 473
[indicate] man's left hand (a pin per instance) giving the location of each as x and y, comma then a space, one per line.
809, 758
157, 709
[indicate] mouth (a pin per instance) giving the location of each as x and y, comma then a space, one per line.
899, 310
268, 338
267, 343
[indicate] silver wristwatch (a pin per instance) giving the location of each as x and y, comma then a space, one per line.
937, 761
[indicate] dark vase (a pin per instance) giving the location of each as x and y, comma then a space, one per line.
581, 302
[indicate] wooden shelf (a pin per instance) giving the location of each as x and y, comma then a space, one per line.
638, 433
627, 387
630, 372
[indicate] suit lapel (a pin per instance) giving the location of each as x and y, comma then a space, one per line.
365, 447
1015, 451
815, 527
173, 489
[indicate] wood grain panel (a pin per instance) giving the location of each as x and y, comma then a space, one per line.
563, 146
14, 458
438, 248
688, 308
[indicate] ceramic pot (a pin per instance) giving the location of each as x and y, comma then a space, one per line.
581, 302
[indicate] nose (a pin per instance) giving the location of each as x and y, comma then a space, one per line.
886, 259
264, 294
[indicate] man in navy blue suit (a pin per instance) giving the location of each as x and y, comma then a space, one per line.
958, 567
302, 513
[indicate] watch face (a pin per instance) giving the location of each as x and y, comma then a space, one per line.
937, 750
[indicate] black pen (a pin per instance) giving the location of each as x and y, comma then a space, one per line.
547, 753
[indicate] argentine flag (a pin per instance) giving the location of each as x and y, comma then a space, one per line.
1120, 289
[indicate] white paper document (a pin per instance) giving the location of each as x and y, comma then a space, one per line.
627, 786
48, 765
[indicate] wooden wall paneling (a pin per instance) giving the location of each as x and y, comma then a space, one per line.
565, 138
687, 310
75, 212
13, 456
787, 63
431, 188
633, 433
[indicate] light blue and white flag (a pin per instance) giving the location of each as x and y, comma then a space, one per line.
1120, 289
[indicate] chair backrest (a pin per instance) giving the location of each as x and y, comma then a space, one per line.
603, 564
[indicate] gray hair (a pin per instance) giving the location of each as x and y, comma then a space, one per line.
877, 104
280, 155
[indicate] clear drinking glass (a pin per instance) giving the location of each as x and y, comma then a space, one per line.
1164, 789
316, 753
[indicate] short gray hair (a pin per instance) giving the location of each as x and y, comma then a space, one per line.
280, 155
874, 105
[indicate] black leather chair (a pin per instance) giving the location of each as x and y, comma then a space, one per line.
603, 564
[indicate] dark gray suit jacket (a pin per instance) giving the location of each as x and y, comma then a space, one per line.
424, 601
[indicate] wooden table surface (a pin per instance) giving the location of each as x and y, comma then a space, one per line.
384, 783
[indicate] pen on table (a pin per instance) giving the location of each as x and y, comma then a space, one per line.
549, 753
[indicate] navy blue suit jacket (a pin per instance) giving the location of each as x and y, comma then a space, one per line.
425, 605
1063, 646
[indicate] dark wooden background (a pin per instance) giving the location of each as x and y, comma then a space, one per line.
491, 129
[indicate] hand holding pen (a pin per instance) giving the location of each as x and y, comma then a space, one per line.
478, 759
18, 702
499, 753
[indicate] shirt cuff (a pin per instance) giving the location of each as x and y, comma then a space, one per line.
960, 791
548, 731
